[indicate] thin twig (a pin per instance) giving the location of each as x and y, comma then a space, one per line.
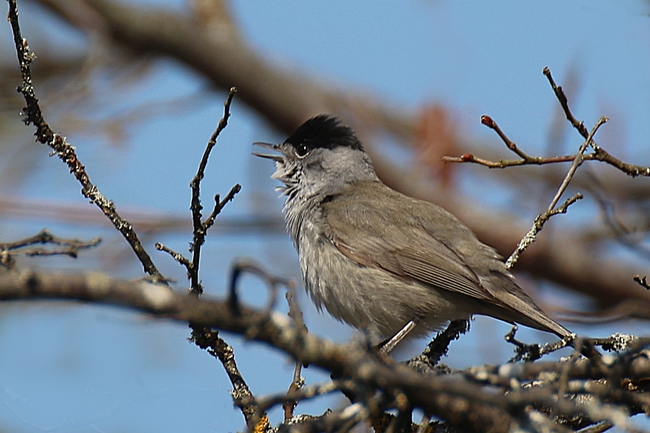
490, 123
564, 102
538, 224
533, 352
511, 145
61, 148
642, 281
209, 340
599, 153
541, 219
199, 227
298, 381
203, 336
247, 266
577, 162
220, 204
304, 393
26, 247
439, 346
175, 255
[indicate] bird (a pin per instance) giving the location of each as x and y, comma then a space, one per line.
379, 260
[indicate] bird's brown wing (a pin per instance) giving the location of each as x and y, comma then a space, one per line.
386, 235
416, 240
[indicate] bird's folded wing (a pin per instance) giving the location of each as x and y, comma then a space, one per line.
418, 241
405, 250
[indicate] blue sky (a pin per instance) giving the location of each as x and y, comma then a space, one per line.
85, 368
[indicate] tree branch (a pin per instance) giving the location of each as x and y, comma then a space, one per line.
65, 151
25, 247
541, 219
448, 397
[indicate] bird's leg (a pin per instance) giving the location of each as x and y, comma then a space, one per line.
387, 346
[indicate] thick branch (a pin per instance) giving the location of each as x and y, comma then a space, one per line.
450, 398
283, 96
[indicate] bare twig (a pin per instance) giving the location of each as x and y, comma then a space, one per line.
503, 163
181, 259
490, 123
541, 219
298, 381
642, 281
599, 153
564, 102
533, 352
247, 266
538, 224
439, 346
203, 336
25, 247
304, 393
551, 260
200, 228
220, 204
577, 161
217, 347
65, 151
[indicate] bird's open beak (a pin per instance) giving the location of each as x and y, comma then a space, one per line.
274, 147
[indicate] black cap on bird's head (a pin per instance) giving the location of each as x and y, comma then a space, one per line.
323, 131
321, 155
320, 132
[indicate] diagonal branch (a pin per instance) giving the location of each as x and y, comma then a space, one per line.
599, 153
541, 219
65, 151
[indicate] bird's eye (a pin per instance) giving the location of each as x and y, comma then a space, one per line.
302, 150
